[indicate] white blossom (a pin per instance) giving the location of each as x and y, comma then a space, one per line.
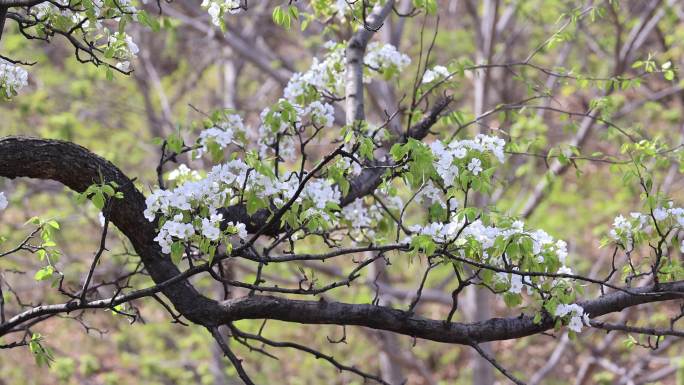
385, 56
475, 166
447, 156
321, 191
436, 73
578, 316
3, 201
218, 8
183, 173
222, 134
516, 284
514, 280
124, 66
12, 78
357, 214
211, 226
430, 194
321, 114
240, 228
329, 74
124, 49
660, 214
173, 229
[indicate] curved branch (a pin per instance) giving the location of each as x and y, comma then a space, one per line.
78, 168
403, 322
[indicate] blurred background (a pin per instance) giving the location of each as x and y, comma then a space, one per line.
190, 68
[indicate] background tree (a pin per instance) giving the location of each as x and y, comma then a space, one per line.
344, 179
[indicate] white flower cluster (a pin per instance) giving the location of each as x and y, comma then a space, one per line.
430, 194
274, 127
342, 8
623, 229
90, 17
222, 134
447, 156
381, 57
218, 8
320, 192
211, 226
3, 201
515, 281
670, 212
326, 75
12, 78
362, 219
183, 173
98, 8
211, 192
125, 49
436, 73
171, 229
179, 207
544, 246
320, 114
329, 74
578, 317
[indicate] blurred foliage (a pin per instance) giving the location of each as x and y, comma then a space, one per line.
119, 118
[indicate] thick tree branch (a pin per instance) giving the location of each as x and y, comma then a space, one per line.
78, 168
403, 322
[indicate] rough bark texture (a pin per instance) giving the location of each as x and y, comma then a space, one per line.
78, 168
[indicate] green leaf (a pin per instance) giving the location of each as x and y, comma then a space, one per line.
98, 200
423, 244
669, 75
174, 143
512, 299
44, 273
176, 252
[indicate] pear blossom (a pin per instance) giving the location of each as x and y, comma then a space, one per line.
328, 74
183, 173
222, 134
660, 214
240, 229
436, 73
514, 280
475, 166
447, 156
385, 56
210, 227
357, 214
173, 229
431, 195
12, 78
516, 284
124, 66
623, 229
578, 317
321, 192
321, 114
218, 8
